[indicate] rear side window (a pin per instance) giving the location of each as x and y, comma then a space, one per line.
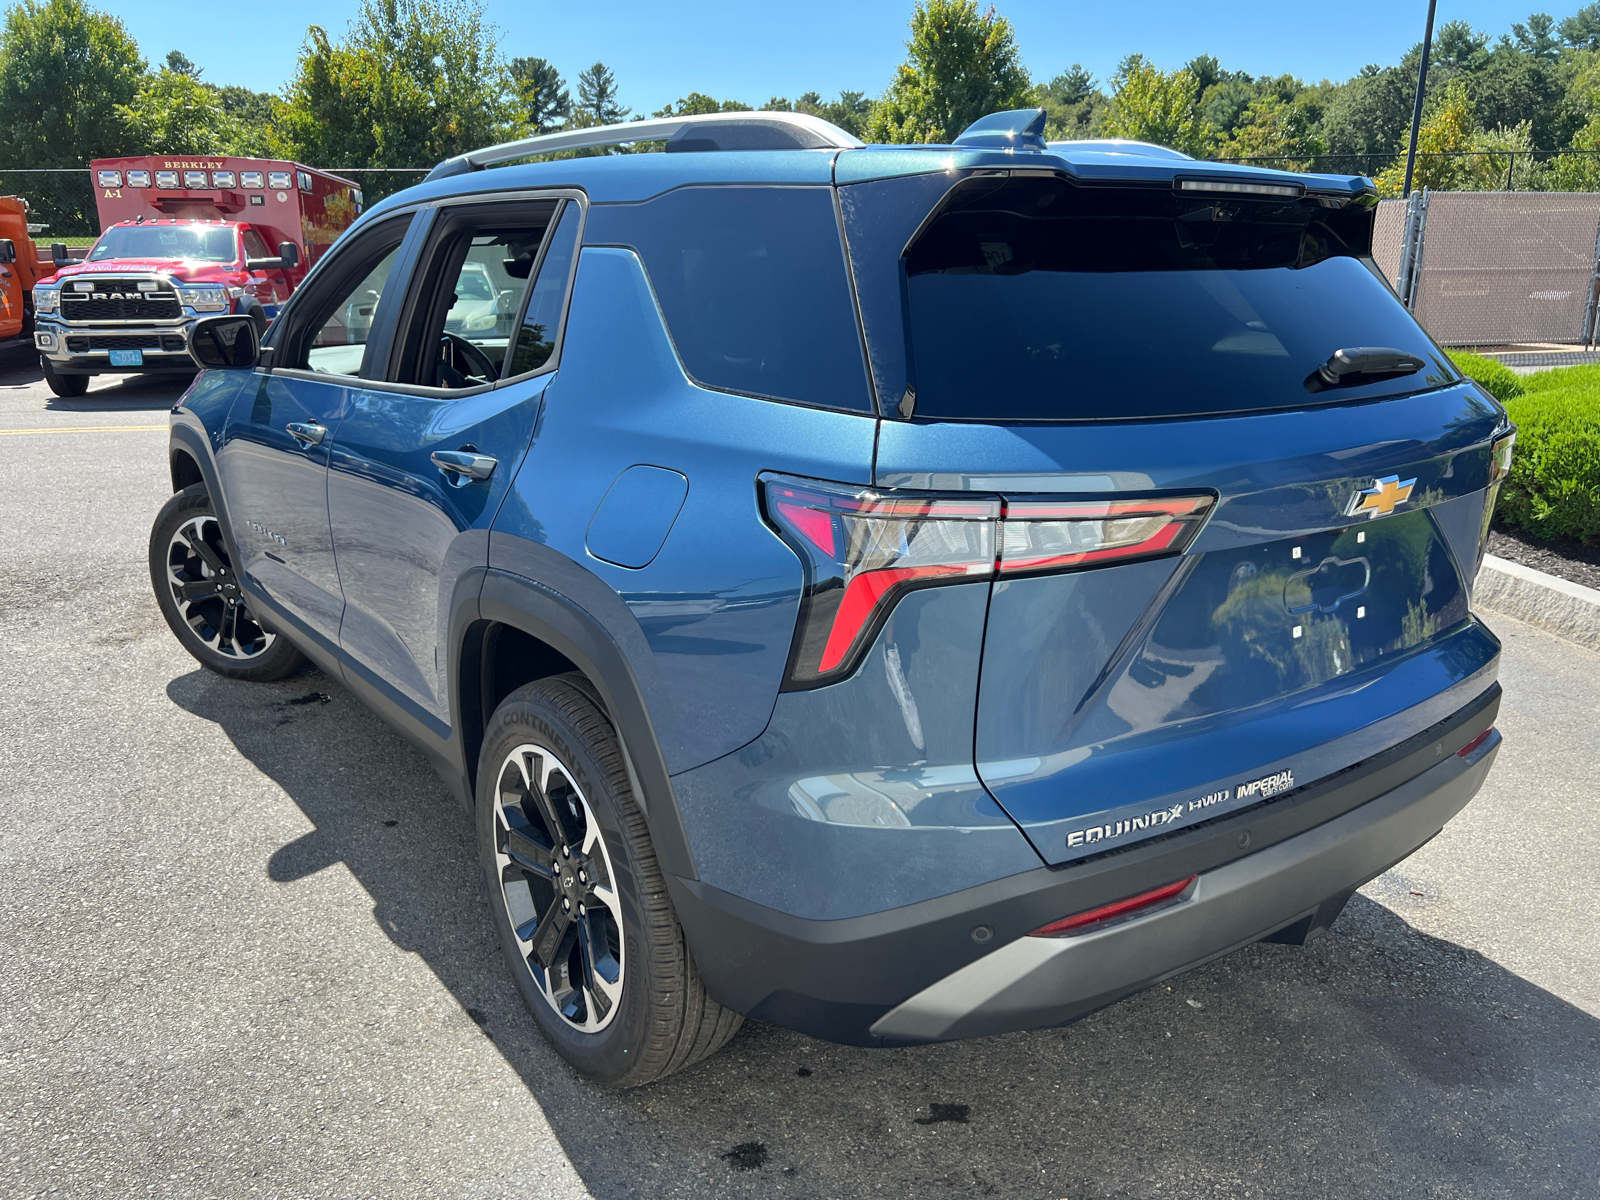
753, 286
1038, 299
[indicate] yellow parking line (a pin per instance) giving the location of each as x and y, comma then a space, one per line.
85, 429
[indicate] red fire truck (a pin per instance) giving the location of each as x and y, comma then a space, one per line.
182, 238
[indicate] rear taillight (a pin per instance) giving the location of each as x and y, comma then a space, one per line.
1500, 457
1052, 535
864, 549
1079, 923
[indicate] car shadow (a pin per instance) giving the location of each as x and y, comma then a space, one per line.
1377, 1061
19, 369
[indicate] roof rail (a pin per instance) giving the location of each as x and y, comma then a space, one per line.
705, 131
1121, 146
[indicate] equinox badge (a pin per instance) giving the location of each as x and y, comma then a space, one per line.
1380, 499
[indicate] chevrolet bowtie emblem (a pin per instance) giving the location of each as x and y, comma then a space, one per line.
1380, 499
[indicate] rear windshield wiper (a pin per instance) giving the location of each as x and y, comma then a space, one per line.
1356, 365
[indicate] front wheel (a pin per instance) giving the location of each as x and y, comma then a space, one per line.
65, 386
199, 594
578, 898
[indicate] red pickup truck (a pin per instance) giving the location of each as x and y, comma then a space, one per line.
182, 239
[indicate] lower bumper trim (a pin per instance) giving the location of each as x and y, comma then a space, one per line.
1034, 982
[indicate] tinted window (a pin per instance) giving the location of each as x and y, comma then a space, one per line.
753, 285
536, 339
254, 247
1034, 299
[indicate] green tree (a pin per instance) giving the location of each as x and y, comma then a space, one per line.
253, 110
961, 64
174, 113
64, 70
1072, 101
1445, 134
1370, 115
1513, 85
850, 112
1149, 105
1272, 129
1538, 37
545, 99
597, 95
180, 62
696, 104
414, 82
1582, 29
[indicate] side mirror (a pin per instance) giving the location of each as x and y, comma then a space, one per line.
227, 343
59, 255
8, 251
287, 259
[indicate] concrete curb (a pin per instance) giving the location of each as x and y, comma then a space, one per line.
1569, 610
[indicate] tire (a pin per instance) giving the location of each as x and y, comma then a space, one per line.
68, 387
258, 315
195, 586
552, 789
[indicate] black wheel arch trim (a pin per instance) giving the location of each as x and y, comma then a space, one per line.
189, 441
569, 628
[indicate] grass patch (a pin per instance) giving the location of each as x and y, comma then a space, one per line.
1497, 378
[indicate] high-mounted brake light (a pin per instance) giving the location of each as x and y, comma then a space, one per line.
1078, 923
865, 549
1244, 189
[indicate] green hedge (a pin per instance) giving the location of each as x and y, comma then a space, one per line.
1554, 486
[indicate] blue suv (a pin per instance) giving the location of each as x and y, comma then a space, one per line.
898, 593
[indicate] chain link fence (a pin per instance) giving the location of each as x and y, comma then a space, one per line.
1495, 268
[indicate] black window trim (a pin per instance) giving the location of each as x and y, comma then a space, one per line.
403, 311
405, 257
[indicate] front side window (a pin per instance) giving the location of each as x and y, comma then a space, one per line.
334, 322
254, 247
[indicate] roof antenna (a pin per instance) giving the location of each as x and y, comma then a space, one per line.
908, 403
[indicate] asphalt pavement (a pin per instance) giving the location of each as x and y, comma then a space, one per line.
243, 952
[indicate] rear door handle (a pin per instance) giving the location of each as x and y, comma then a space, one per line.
307, 433
464, 465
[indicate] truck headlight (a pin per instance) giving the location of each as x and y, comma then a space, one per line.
203, 299
46, 299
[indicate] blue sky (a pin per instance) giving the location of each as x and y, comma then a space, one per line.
751, 51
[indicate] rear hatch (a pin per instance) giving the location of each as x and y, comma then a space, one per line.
1224, 574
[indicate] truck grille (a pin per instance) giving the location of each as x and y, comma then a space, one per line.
126, 341
120, 300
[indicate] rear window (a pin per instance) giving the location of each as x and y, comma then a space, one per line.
753, 286
1038, 299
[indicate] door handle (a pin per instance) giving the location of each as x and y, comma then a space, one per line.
464, 465
307, 433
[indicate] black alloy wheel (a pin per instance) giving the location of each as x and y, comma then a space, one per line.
200, 596
577, 897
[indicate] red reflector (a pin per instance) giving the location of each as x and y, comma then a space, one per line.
1115, 909
1466, 751
814, 525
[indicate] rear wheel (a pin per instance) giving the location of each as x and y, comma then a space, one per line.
65, 386
199, 594
578, 898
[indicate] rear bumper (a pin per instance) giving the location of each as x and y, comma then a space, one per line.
962, 965
1036, 982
